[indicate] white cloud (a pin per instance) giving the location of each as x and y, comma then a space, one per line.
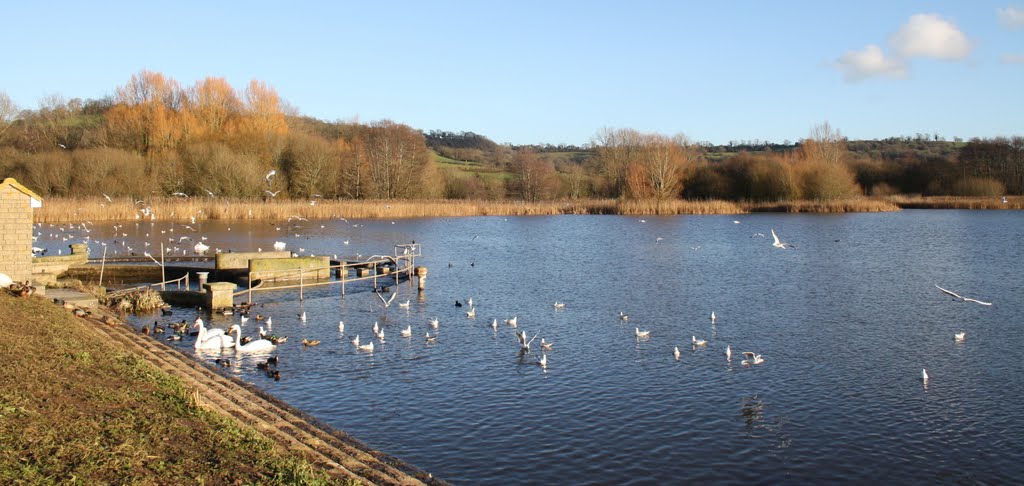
870, 62
1012, 58
1011, 17
928, 35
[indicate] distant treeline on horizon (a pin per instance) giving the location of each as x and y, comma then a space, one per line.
157, 138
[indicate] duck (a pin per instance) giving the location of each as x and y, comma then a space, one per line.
165, 311
458, 304
310, 342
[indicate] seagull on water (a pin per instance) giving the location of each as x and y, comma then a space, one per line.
924, 376
753, 359
961, 299
728, 352
641, 334
623, 316
676, 353
698, 342
779, 244
341, 327
713, 317
407, 332
959, 337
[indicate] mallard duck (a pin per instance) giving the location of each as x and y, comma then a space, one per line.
310, 342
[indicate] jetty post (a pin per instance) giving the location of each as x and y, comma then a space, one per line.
421, 277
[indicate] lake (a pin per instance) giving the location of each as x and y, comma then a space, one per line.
846, 321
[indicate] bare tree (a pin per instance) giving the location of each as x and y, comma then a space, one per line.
8, 113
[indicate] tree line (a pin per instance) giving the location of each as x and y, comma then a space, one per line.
155, 137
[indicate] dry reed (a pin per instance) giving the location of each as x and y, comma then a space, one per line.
954, 202
135, 301
61, 210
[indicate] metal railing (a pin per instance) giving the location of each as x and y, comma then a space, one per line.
179, 282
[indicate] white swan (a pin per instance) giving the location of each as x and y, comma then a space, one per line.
203, 341
779, 244
642, 334
210, 331
698, 342
959, 337
752, 359
676, 353
407, 332
961, 299
251, 346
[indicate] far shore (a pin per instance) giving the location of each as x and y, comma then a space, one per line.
75, 210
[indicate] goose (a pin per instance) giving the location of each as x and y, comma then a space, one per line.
779, 244
546, 345
366, 347
513, 321
642, 334
543, 362
472, 312
961, 299
959, 337
310, 342
752, 359
404, 305
255, 345
559, 305
434, 322
676, 353
341, 327
431, 339
407, 332
728, 352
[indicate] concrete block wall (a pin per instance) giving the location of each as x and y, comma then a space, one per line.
15, 233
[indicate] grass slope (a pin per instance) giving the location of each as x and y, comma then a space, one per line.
74, 409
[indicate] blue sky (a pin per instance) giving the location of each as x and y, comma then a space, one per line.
556, 72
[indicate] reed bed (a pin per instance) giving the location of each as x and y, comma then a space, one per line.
135, 301
853, 205
64, 210
954, 202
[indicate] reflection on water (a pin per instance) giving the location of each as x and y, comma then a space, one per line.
847, 320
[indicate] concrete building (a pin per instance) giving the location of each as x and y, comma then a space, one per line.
16, 203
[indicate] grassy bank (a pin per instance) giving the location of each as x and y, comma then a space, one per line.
952, 202
61, 210
75, 409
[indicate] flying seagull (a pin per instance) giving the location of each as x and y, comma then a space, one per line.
269, 175
961, 299
779, 244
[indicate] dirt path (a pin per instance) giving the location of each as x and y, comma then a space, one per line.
337, 453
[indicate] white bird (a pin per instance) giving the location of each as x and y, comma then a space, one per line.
380, 336
543, 362
698, 342
924, 375
244, 319
546, 345
251, 346
219, 341
376, 327
279, 245
387, 303
676, 353
513, 321
431, 339
559, 305
471, 313
200, 248
271, 194
494, 324
210, 332
269, 175
434, 322
366, 347
961, 299
623, 316
959, 337
728, 352
779, 244
355, 341
108, 197
407, 332
713, 317
404, 304
523, 343
302, 317
341, 327
641, 334
752, 359
469, 302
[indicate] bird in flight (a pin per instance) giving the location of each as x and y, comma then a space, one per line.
272, 194
269, 175
779, 244
960, 298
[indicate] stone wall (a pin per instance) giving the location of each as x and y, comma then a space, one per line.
287, 269
240, 260
15, 233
